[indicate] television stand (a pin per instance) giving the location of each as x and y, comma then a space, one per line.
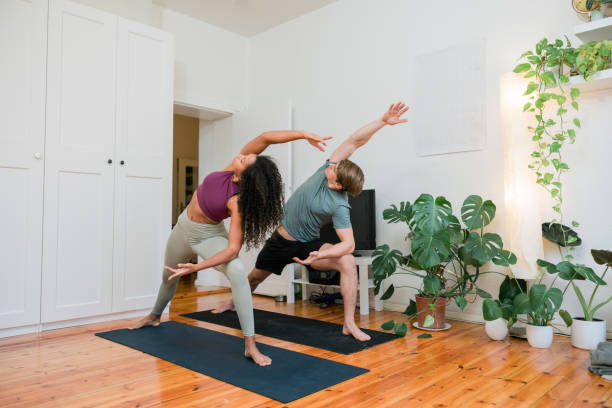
363, 286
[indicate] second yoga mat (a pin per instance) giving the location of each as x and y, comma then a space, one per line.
300, 330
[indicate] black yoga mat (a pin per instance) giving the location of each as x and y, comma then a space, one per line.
300, 330
291, 376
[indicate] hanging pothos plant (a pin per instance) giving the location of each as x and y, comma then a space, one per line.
549, 101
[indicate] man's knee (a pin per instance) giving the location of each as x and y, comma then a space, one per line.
346, 264
257, 276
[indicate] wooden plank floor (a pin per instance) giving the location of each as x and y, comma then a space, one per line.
459, 367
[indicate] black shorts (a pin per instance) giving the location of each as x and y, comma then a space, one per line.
278, 252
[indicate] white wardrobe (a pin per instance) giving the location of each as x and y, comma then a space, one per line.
85, 162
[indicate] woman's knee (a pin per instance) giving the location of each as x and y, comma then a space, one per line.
234, 271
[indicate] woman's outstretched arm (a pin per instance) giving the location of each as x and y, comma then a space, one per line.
261, 142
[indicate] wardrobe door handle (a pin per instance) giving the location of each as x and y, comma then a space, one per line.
110, 161
122, 162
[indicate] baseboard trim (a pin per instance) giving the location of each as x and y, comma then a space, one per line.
38, 328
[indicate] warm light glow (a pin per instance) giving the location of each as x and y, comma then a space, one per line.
524, 199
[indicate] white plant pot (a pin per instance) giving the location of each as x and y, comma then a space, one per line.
497, 329
539, 336
586, 335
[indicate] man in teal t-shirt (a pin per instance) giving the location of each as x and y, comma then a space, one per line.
321, 199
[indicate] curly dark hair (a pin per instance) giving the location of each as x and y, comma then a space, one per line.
260, 200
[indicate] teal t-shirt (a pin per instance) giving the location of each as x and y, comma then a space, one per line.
313, 205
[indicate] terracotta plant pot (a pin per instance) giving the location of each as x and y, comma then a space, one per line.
422, 303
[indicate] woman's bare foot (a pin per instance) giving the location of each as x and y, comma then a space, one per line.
251, 351
223, 307
149, 320
355, 332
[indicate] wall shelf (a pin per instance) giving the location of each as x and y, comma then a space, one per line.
595, 30
601, 80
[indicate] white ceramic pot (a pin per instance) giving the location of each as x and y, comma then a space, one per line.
497, 329
539, 336
586, 335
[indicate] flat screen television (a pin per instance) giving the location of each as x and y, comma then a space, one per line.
363, 219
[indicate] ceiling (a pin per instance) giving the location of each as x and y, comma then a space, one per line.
244, 17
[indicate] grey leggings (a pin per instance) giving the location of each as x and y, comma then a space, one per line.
189, 238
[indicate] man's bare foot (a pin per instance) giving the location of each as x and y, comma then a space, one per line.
355, 332
149, 320
223, 308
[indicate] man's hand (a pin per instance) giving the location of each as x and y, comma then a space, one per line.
183, 269
316, 140
393, 115
313, 256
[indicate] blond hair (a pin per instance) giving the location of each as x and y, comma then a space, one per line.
350, 177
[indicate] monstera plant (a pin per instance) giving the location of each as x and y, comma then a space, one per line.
447, 255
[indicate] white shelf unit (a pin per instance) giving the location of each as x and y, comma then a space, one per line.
364, 285
595, 30
601, 80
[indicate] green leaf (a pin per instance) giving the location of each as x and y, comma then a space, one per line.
556, 296
548, 77
491, 310
522, 68
574, 93
602, 257
589, 274
461, 302
429, 321
388, 325
483, 248
465, 256
558, 234
400, 329
575, 105
577, 122
566, 270
567, 318
477, 213
520, 305
575, 224
550, 268
571, 133
424, 336
563, 79
483, 294
527, 106
430, 250
388, 293
411, 310
394, 214
432, 284
529, 74
537, 295
385, 262
532, 86
510, 288
431, 215
504, 258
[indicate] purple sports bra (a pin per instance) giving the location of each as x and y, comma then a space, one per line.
214, 192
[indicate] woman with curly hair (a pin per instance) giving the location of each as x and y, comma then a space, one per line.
250, 191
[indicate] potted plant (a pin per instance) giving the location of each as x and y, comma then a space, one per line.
587, 331
499, 314
446, 255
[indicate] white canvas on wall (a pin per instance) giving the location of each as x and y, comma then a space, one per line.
448, 110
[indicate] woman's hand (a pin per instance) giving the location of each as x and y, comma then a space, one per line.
393, 115
316, 140
182, 269
313, 256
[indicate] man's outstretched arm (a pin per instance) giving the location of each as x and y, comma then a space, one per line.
391, 117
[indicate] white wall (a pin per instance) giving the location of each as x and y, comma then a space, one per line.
210, 62
344, 64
